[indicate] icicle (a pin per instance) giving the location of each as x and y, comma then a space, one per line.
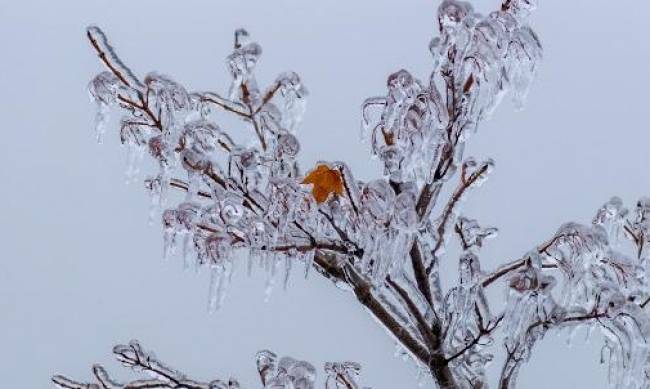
170, 223
308, 258
288, 260
134, 159
188, 254
250, 261
155, 187
273, 261
101, 119
217, 286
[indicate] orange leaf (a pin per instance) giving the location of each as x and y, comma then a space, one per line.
325, 181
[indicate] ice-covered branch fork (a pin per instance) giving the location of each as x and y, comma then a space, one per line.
384, 239
274, 372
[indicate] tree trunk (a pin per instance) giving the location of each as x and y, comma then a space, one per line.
441, 373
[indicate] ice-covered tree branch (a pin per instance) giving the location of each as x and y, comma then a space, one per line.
383, 240
274, 372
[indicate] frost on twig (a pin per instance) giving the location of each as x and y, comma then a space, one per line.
283, 373
383, 239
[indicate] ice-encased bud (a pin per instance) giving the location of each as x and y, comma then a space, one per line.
641, 226
342, 375
288, 146
290, 83
610, 211
168, 91
167, 97
643, 213
402, 90
377, 201
232, 208
416, 117
400, 86
452, 13
301, 373
295, 95
611, 216
104, 87
199, 142
160, 150
242, 61
266, 364
519, 8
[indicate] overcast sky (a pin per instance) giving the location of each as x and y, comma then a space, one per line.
81, 268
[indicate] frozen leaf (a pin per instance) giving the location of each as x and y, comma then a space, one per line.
325, 181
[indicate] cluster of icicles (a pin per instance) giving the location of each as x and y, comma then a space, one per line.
251, 196
476, 60
601, 288
274, 373
254, 197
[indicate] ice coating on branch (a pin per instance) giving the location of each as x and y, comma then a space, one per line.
236, 196
252, 196
601, 288
282, 373
530, 307
384, 238
109, 57
477, 60
469, 322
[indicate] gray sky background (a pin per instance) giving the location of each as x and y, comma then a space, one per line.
81, 268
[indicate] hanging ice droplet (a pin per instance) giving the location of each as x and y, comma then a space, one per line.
288, 260
270, 281
101, 119
309, 261
133, 161
217, 286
